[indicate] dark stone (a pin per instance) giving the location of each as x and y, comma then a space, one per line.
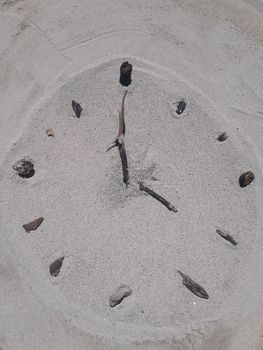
246, 179
181, 106
125, 73
76, 108
55, 267
222, 137
24, 168
194, 287
33, 225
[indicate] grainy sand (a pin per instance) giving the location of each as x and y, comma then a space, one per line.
210, 54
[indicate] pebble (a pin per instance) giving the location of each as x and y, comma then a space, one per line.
33, 225
119, 294
246, 179
222, 137
24, 168
55, 267
181, 106
76, 108
50, 132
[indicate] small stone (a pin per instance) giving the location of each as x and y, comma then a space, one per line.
55, 267
125, 74
33, 225
181, 106
246, 179
119, 294
50, 132
24, 168
222, 137
76, 108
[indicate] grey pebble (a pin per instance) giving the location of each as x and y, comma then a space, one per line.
54, 268
121, 292
24, 168
222, 137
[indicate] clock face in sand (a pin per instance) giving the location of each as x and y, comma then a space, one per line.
109, 235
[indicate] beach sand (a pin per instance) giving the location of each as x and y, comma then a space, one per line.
210, 54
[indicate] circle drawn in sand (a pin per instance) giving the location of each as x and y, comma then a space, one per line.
117, 235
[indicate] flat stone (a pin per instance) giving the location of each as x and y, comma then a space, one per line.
119, 294
55, 267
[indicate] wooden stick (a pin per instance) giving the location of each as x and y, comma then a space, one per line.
158, 197
122, 127
119, 142
124, 163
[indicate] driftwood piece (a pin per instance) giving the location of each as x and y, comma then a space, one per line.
33, 225
121, 292
119, 142
158, 197
54, 268
226, 236
122, 126
124, 163
125, 73
194, 287
76, 108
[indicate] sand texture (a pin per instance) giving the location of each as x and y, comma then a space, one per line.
97, 239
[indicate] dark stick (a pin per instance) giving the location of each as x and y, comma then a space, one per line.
124, 163
158, 197
226, 236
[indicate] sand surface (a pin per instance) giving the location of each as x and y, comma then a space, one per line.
210, 54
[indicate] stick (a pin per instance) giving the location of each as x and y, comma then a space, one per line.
119, 142
124, 163
122, 127
158, 197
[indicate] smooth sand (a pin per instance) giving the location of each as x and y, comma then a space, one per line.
210, 54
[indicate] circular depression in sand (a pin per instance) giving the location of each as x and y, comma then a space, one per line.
111, 235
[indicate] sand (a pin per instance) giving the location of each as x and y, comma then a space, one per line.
210, 54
